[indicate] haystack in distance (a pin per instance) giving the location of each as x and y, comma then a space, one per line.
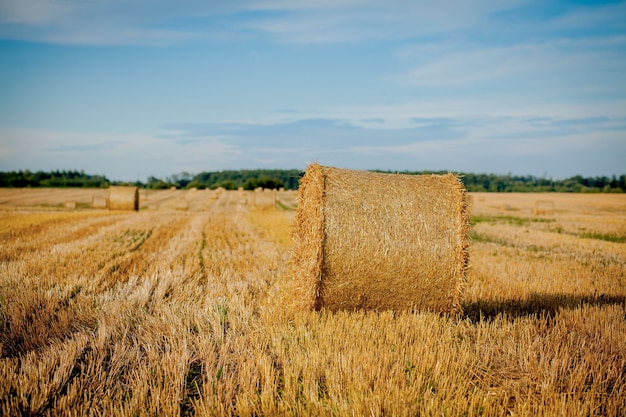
373, 241
123, 198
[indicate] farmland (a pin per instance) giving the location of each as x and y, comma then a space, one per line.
189, 310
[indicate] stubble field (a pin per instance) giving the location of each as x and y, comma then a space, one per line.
189, 312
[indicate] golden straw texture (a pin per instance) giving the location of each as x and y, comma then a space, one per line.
123, 198
375, 241
98, 202
543, 207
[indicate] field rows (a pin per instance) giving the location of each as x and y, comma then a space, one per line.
166, 312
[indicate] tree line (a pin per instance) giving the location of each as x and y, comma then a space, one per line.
289, 179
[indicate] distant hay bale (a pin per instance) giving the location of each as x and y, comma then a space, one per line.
366, 240
264, 197
506, 207
544, 207
182, 205
70, 205
173, 188
98, 202
123, 198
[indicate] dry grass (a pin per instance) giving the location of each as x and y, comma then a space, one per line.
264, 197
98, 202
544, 207
185, 313
376, 241
182, 204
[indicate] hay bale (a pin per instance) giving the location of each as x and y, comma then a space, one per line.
544, 207
98, 202
264, 197
375, 241
70, 205
123, 198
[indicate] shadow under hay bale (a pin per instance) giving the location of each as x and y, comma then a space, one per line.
123, 198
98, 202
375, 241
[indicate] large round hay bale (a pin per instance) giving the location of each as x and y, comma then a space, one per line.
376, 241
123, 198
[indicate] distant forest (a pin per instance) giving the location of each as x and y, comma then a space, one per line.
288, 179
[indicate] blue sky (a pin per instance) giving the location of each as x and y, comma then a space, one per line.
139, 88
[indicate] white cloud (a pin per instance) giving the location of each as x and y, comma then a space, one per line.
347, 21
528, 68
140, 22
608, 16
33, 12
119, 156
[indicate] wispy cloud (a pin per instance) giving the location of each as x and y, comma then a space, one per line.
329, 133
564, 69
90, 147
159, 21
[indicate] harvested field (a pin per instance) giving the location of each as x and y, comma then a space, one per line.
190, 313
264, 197
98, 202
